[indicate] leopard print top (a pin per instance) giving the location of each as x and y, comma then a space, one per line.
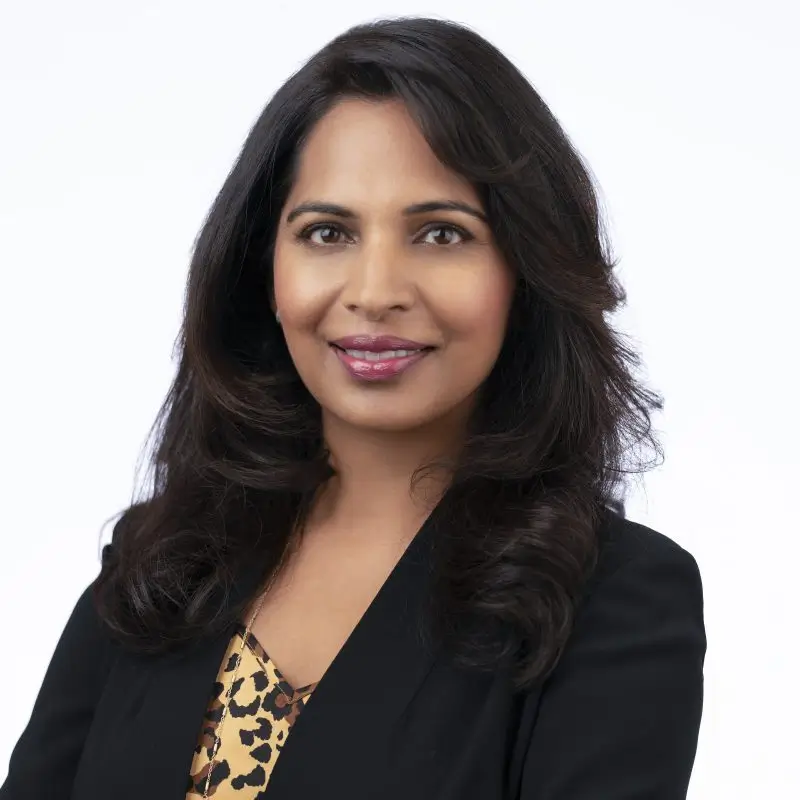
263, 708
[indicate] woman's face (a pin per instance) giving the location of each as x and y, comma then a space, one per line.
391, 293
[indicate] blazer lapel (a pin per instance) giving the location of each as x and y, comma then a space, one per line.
174, 692
165, 730
339, 744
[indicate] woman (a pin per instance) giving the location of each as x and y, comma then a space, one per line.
380, 558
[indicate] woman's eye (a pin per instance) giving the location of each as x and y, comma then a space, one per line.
444, 235
323, 234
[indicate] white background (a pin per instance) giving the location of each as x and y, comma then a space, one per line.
118, 125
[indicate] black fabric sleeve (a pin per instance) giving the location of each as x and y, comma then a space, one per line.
44, 760
619, 717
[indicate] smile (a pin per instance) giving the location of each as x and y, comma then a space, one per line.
370, 355
378, 359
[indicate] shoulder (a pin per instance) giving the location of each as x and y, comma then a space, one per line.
631, 546
85, 640
626, 696
644, 585
638, 633
85, 631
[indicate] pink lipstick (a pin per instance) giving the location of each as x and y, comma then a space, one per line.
378, 358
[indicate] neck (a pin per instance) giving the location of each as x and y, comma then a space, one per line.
373, 490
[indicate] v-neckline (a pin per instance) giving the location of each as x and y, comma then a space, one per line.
386, 656
415, 555
291, 693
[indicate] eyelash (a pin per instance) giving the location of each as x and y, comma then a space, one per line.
305, 234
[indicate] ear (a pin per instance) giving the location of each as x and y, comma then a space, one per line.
274, 308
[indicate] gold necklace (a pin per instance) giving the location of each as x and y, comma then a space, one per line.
218, 736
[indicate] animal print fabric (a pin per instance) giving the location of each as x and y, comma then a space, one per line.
263, 708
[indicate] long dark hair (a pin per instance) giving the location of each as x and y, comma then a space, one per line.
239, 451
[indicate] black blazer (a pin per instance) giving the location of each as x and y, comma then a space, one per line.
617, 720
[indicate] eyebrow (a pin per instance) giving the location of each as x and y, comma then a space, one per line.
417, 208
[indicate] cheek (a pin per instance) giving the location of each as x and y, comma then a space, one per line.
475, 308
300, 293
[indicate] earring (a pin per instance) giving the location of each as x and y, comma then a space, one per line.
278, 317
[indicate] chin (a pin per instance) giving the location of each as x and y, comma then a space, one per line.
383, 417
398, 422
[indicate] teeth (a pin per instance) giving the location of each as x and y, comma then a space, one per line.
368, 355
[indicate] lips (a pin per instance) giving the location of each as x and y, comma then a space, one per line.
378, 358
377, 344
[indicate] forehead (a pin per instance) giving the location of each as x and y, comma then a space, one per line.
373, 152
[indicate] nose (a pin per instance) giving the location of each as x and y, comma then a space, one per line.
378, 284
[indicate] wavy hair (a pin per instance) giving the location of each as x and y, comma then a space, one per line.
562, 420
